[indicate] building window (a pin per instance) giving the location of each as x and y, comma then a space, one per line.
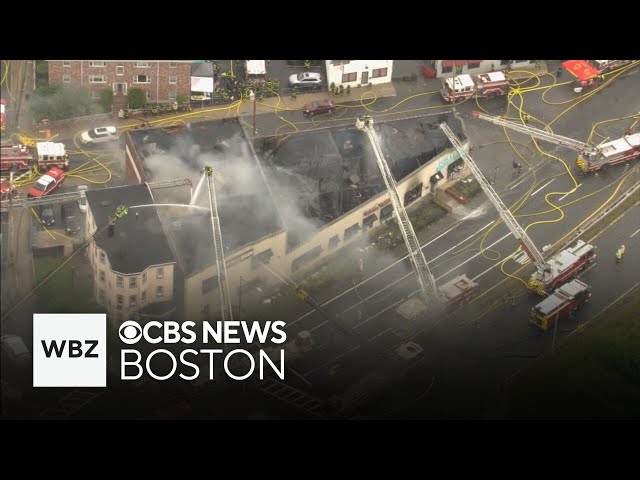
95, 63
263, 258
173, 64
379, 72
66, 63
148, 94
349, 77
102, 257
144, 277
101, 295
119, 281
413, 194
299, 262
369, 221
351, 231
172, 95
333, 242
133, 282
173, 79
386, 212
120, 70
102, 276
142, 64
95, 95
159, 272
97, 79
143, 297
119, 302
159, 291
132, 300
66, 78
209, 284
141, 79
448, 69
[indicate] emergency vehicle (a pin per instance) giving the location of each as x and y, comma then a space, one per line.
604, 66
484, 85
562, 303
7, 191
610, 153
457, 291
19, 158
256, 72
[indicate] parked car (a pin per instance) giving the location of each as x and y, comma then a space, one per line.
99, 135
305, 78
82, 203
47, 215
46, 183
318, 107
71, 217
14, 348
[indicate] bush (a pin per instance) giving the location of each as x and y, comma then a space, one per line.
42, 68
106, 99
137, 98
183, 98
57, 102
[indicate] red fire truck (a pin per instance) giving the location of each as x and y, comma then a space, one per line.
7, 191
611, 153
484, 85
604, 66
457, 291
562, 303
20, 158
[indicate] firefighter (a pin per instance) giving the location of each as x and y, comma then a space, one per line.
294, 93
307, 64
121, 114
559, 72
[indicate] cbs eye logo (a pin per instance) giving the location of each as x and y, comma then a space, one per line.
130, 332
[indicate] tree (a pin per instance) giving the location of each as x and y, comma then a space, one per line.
106, 99
57, 102
137, 98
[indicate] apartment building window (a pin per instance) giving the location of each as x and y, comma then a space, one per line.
119, 302
95, 63
159, 291
144, 277
379, 72
448, 69
142, 64
351, 231
349, 77
413, 194
102, 276
172, 95
97, 79
133, 282
66, 78
369, 221
143, 297
119, 281
120, 70
333, 242
101, 295
141, 79
173, 64
173, 79
102, 257
473, 65
132, 300
209, 284
66, 63
386, 212
159, 272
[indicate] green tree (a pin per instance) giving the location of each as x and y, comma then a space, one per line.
57, 102
182, 98
106, 99
137, 98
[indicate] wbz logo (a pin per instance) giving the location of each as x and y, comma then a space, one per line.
69, 350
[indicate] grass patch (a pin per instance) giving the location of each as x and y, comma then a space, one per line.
611, 217
594, 375
467, 188
62, 294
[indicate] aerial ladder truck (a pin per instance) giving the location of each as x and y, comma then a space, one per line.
590, 159
548, 274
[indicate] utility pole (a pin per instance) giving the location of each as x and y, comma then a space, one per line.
252, 97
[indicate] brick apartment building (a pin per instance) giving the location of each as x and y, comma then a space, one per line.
163, 81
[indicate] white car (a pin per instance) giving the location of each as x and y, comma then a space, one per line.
305, 78
83, 198
99, 135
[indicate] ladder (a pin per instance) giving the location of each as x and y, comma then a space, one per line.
292, 396
507, 217
576, 145
426, 281
225, 300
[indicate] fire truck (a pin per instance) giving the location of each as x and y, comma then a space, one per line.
562, 303
591, 158
7, 191
562, 266
20, 158
457, 291
604, 66
484, 85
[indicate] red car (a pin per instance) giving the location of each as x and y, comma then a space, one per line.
318, 107
47, 183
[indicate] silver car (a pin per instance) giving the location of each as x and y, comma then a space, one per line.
99, 135
305, 78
